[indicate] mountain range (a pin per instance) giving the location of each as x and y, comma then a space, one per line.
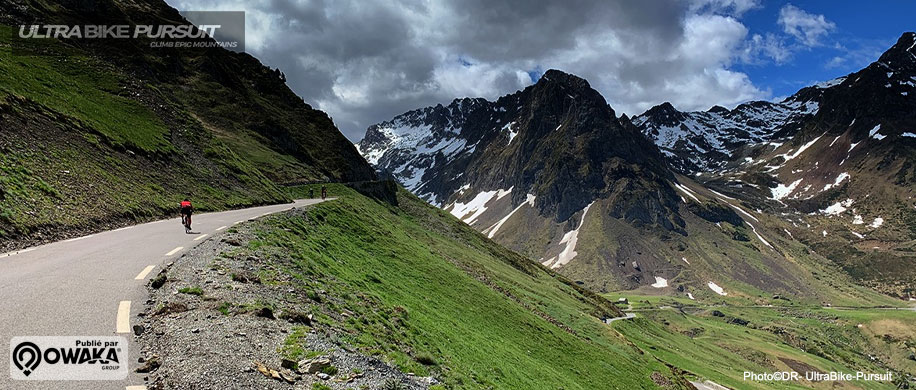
764, 197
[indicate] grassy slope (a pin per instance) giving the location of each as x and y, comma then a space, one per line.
78, 149
825, 339
420, 283
72, 85
88, 143
234, 96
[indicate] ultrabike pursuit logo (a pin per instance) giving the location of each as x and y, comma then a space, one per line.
207, 29
68, 358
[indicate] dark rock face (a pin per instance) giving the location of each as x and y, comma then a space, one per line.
557, 139
880, 94
715, 213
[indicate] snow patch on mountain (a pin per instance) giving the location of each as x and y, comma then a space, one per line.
760, 237
830, 83
720, 194
493, 229
875, 134
470, 211
786, 157
570, 239
411, 177
839, 179
409, 145
781, 190
660, 282
512, 133
703, 140
838, 207
715, 288
876, 223
686, 191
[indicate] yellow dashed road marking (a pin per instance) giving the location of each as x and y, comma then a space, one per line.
123, 325
145, 272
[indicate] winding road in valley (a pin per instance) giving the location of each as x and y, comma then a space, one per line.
95, 285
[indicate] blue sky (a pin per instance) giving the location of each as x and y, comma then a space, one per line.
862, 32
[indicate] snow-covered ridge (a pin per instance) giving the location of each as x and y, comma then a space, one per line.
830, 83
706, 138
411, 143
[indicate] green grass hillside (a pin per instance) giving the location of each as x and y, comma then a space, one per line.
415, 287
714, 343
432, 296
78, 152
111, 132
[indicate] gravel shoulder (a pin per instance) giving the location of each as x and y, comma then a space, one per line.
214, 323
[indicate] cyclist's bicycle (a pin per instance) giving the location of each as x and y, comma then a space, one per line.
186, 221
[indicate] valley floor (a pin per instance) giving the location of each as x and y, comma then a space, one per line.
723, 342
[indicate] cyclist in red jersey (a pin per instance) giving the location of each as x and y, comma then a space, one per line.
186, 208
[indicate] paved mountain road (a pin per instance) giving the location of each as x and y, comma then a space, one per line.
626, 316
95, 285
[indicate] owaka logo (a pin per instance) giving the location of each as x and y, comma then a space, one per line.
68, 358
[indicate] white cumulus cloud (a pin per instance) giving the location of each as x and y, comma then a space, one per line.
807, 28
366, 61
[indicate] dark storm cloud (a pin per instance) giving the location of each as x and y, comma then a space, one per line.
366, 61
501, 30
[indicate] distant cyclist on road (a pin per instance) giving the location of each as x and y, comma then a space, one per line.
186, 209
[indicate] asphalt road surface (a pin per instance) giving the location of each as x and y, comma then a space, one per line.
626, 316
96, 285
708, 385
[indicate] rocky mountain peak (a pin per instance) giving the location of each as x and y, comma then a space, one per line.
717, 109
903, 54
557, 140
664, 114
557, 90
554, 76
